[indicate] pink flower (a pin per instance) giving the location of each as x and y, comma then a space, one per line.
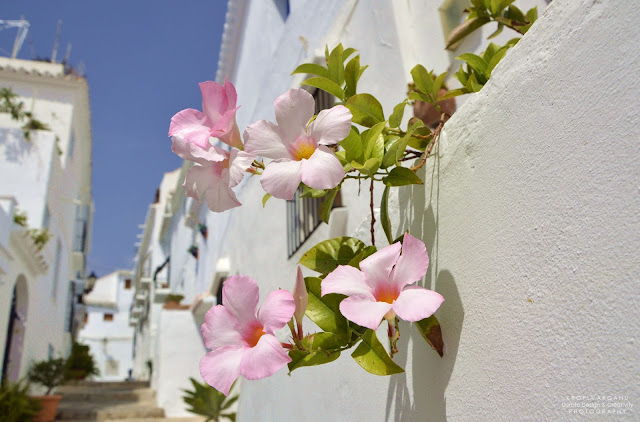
242, 340
191, 129
299, 153
381, 289
214, 179
301, 299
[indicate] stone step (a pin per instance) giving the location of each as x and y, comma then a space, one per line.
117, 385
84, 394
97, 411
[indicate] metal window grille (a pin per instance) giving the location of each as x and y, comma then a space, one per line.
303, 214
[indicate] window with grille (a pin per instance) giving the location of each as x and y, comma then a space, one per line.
303, 214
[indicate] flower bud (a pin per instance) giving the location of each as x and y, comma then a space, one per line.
300, 297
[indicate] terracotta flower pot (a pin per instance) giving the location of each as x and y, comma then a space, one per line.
49, 408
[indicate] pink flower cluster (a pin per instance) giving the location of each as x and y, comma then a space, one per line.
299, 150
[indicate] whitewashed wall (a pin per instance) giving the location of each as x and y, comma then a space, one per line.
530, 214
110, 340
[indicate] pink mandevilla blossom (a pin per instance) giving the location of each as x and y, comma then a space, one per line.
242, 340
191, 129
299, 153
214, 179
381, 289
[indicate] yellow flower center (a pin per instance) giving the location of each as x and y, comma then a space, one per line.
303, 148
386, 293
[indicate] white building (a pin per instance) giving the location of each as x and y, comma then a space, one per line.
49, 178
529, 214
106, 327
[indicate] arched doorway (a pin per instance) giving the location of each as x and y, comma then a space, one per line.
16, 330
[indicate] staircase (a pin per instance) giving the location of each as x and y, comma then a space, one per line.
111, 401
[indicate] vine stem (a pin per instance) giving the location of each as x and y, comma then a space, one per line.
373, 218
436, 135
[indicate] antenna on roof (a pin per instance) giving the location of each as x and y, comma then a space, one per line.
67, 54
56, 42
23, 28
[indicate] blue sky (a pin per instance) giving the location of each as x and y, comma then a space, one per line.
143, 61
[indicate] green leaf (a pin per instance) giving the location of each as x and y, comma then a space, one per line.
496, 32
325, 84
515, 15
419, 96
422, 79
336, 65
324, 311
401, 176
438, 84
431, 331
453, 93
389, 158
420, 143
374, 141
327, 255
372, 357
532, 14
347, 52
369, 168
496, 59
366, 252
366, 109
464, 29
265, 198
352, 144
351, 76
396, 117
300, 358
384, 213
308, 192
327, 205
404, 141
495, 6
312, 68
477, 63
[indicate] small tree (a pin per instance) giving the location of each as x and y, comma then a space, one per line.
49, 373
80, 363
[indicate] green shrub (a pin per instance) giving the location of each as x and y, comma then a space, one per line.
207, 401
80, 363
49, 373
173, 298
15, 403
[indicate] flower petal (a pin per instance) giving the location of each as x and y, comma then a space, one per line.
331, 126
240, 294
232, 96
199, 178
214, 100
364, 310
300, 296
220, 329
346, 280
293, 109
226, 129
265, 359
276, 310
412, 264
190, 120
190, 151
416, 303
281, 178
378, 266
263, 138
322, 170
240, 161
220, 368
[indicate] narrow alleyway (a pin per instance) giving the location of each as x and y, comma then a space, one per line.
112, 401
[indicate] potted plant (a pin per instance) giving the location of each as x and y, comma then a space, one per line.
48, 373
209, 402
15, 403
80, 363
193, 250
173, 302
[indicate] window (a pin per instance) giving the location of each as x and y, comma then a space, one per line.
127, 284
86, 318
283, 8
46, 217
219, 292
107, 317
303, 214
112, 367
69, 311
80, 228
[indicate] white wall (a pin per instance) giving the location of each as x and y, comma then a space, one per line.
530, 214
110, 340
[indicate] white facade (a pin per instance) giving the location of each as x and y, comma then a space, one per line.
106, 329
529, 212
49, 178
